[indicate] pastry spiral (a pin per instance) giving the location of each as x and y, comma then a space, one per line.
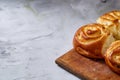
92, 40
111, 21
112, 56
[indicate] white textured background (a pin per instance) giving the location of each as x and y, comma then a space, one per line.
33, 33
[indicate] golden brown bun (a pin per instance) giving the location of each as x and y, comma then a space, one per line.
111, 21
112, 56
92, 40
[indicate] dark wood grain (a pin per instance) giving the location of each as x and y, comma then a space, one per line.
86, 68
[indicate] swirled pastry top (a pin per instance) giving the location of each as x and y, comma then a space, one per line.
112, 56
91, 33
92, 40
111, 21
109, 18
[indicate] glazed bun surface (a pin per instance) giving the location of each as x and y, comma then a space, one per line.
111, 21
112, 56
92, 40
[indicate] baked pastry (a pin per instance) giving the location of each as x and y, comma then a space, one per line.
92, 40
112, 56
111, 21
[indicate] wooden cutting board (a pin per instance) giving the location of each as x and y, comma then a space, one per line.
85, 68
